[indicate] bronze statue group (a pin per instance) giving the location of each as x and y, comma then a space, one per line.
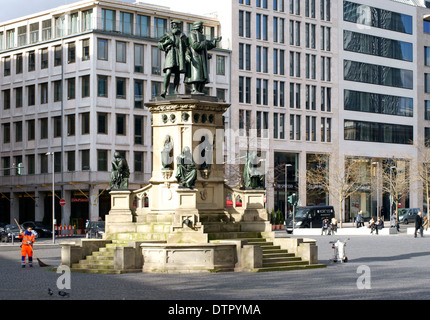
186, 55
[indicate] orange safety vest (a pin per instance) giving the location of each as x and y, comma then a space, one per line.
27, 239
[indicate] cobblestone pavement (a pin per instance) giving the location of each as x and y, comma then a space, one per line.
379, 267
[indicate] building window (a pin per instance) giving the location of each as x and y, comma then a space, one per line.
138, 162
378, 46
102, 49
31, 95
46, 30
102, 86
71, 88
121, 52
18, 97
102, 162
371, 73
108, 20
143, 26
43, 163
6, 133
138, 94
57, 127
160, 26
73, 23
31, 61
155, 89
138, 129
58, 95
85, 123
220, 65
126, 22
18, 131
155, 61
378, 18
31, 164
121, 89
58, 55
85, 49
6, 99
70, 120
44, 128
102, 123
71, 52
378, 132
44, 58
85, 86
138, 58
19, 63
44, 93
34, 32
121, 124
377, 103
6, 66
87, 20
85, 160
70, 160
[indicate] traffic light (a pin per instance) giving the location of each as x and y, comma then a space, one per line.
19, 169
290, 199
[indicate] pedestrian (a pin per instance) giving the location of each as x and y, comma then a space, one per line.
325, 226
27, 240
372, 225
333, 226
379, 224
425, 223
359, 219
419, 224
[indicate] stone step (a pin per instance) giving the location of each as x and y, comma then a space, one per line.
280, 259
277, 255
275, 251
296, 262
233, 235
132, 236
290, 268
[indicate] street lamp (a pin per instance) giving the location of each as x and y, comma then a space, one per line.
53, 196
286, 194
391, 194
377, 187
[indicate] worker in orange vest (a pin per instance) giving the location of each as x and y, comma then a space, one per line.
27, 238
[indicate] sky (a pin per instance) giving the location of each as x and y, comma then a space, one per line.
11, 9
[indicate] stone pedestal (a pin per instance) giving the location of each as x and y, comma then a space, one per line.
120, 218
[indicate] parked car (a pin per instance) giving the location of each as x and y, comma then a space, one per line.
3, 236
407, 215
96, 229
13, 231
43, 230
309, 217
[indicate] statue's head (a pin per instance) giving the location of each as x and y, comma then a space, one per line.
187, 150
175, 25
198, 25
117, 155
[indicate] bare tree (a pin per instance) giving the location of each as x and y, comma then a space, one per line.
396, 180
422, 174
341, 181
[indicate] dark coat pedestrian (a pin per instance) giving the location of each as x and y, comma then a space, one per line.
419, 224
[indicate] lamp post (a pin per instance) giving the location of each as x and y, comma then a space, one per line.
391, 193
377, 187
53, 196
286, 189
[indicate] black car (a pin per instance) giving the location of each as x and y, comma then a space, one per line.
42, 230
96, 229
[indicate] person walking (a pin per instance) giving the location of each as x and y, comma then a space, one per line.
419, 224
359, 219
425, 223
27, 240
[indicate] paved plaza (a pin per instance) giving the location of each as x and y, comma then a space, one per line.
379, 267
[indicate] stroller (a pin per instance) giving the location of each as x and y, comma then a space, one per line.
339, 251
